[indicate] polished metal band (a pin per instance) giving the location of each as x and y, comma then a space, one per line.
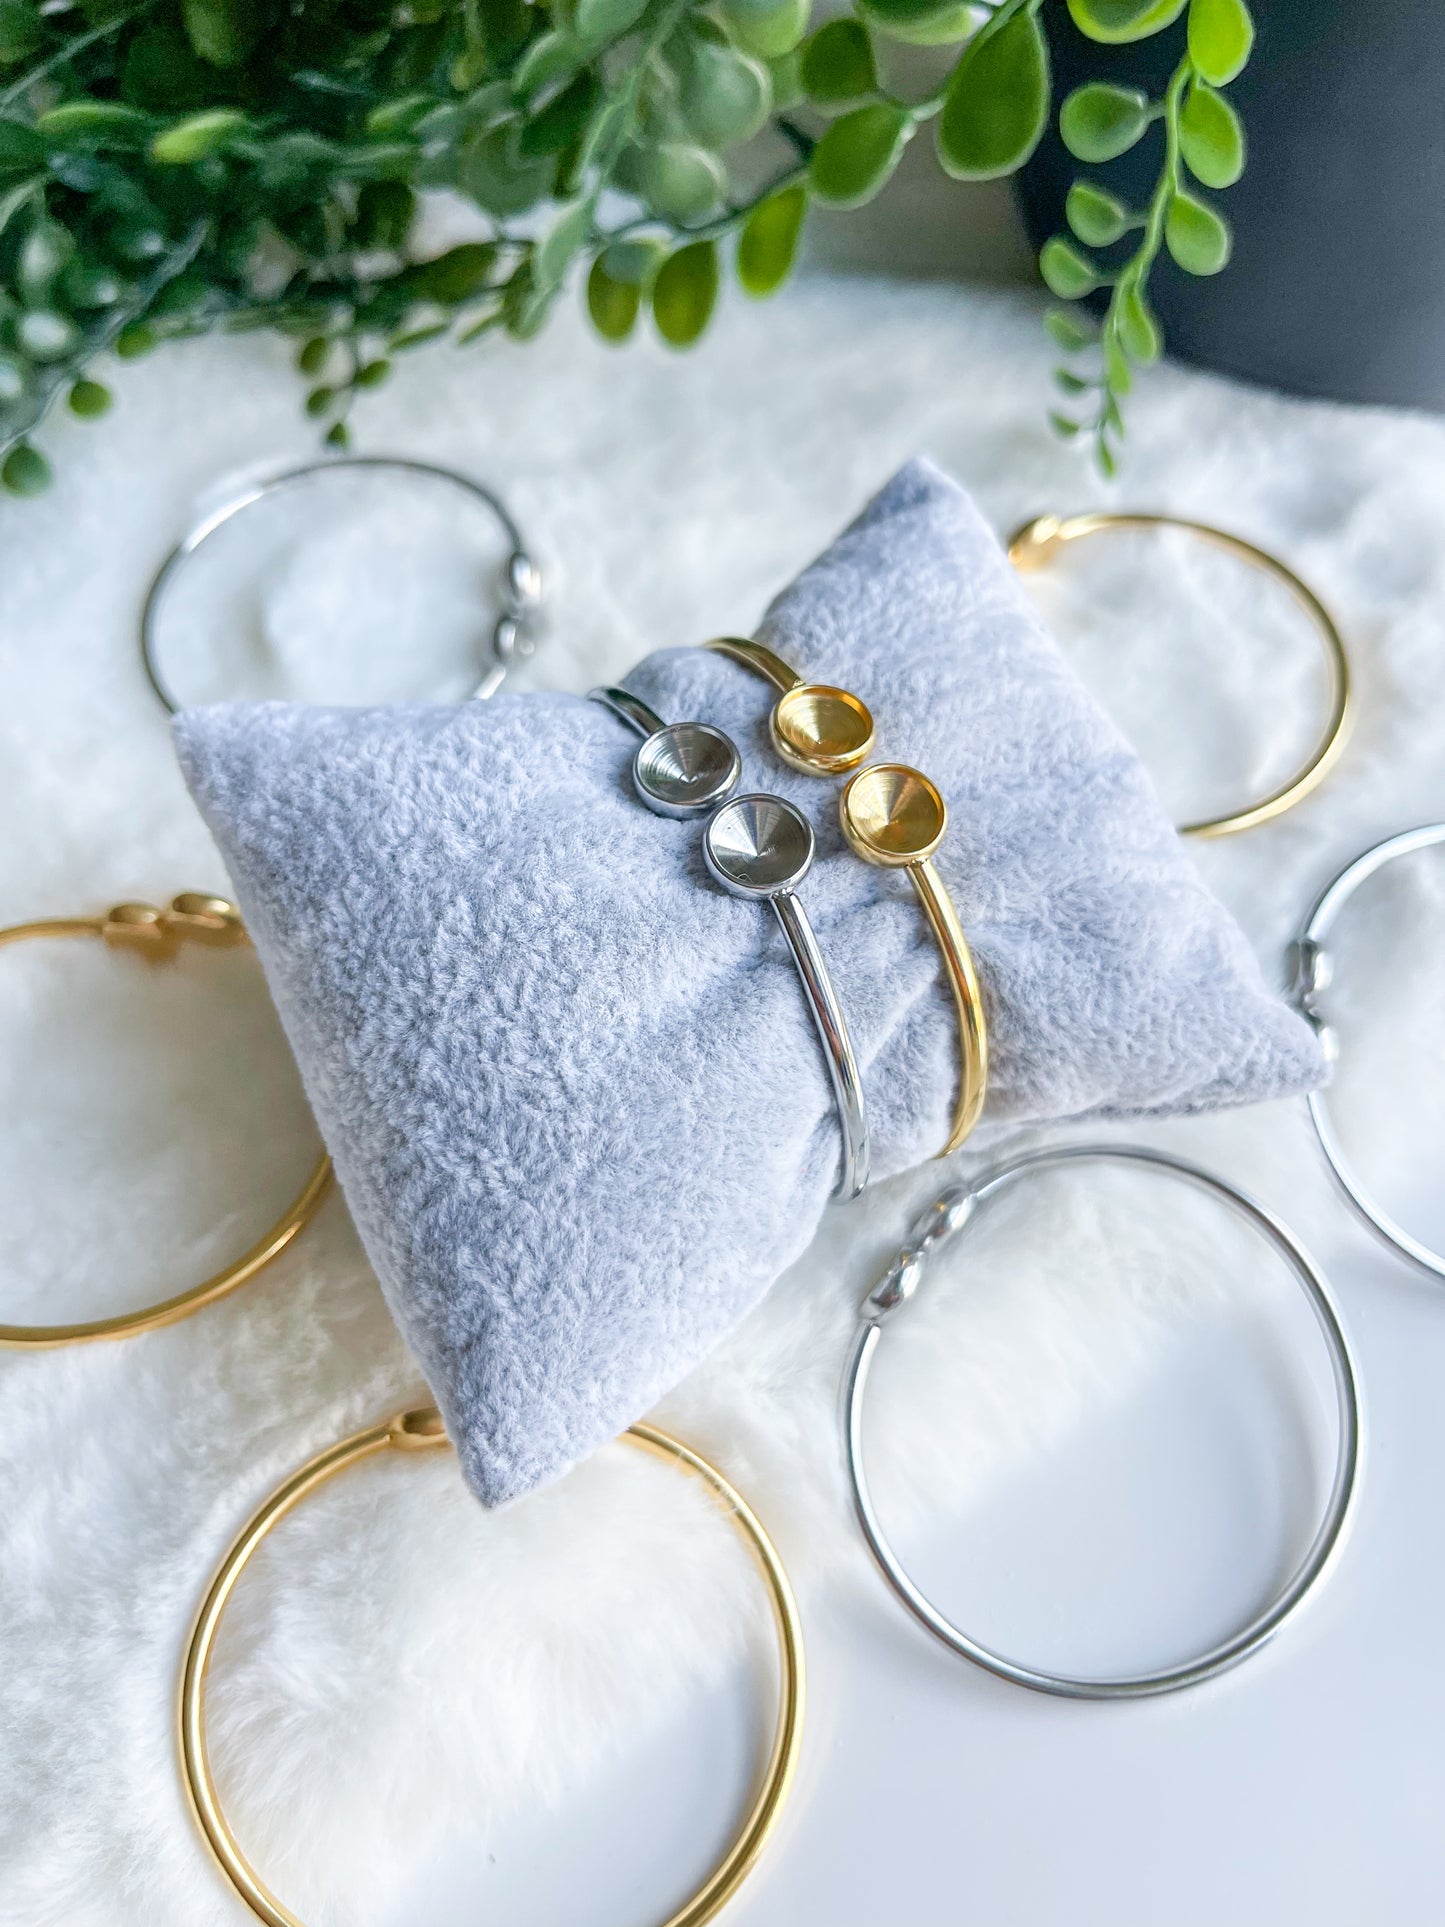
521, 588
760, 848
1313, 971
1039, 542
893, 817
943, 1221
422, 1431
192, 918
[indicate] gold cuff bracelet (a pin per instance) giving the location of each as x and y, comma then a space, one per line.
1039, 542
893, 817
139, 927
420, 1431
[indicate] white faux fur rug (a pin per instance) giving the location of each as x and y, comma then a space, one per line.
405, 1660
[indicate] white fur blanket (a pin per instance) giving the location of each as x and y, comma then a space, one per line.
406, 1669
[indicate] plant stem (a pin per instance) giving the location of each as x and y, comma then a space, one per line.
57, 58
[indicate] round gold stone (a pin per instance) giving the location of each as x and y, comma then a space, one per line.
893, 815
822, 730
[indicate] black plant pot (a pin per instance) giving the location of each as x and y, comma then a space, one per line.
1337, 284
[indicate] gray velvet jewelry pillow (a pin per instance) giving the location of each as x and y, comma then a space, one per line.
572, 1091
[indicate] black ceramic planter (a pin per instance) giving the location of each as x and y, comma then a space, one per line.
1337, 285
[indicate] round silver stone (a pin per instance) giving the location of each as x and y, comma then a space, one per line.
686, 769
758, 845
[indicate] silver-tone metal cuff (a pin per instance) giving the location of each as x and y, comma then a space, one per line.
938, 1227
1312, 970
758, 847
520, 588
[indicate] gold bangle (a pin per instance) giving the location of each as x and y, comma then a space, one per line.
1039, 541
157, 934
419, 1431
893, 817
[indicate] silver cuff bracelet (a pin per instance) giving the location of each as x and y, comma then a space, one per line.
757, 847
520, 587
939, 1226
1312, 974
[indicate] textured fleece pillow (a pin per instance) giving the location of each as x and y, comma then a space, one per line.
572, 1091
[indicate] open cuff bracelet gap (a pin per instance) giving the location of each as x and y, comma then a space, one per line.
939, 1226
521, 586
1313, 971
892, 817
419, 1431
157, 934
1040, 541
760, 848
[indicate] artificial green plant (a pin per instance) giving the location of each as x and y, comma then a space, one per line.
169, 167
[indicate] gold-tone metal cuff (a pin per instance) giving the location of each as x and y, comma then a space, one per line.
892, 816
420, 1431
157, 934
1038, 542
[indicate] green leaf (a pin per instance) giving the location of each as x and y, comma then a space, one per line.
1116, 21
313, 355
385, 211
838, 64
1221, 34
786, 74
21, 31
682, 182
551, 57
14, 379
557, 248
94, 124
921, 23
768, 30
597, 21
454, 276
1096, 216
768, 244
1135, 328
200, 135
89, 400
561, 120
371, 374
1104, 456
613, 305
1210, 136
161, 71
498, 178
1070, 383
685, 293
44, 253
136, 340
725, 96
1101, 120
47, 336
1070, 329
998, 102
319, 401
225, 32
1063, 425
25, 472
858, 153
1197, 237
1116, 368
1067, 273
418, 337
634, 262
337, 436
21, 150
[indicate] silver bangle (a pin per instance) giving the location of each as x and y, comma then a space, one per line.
521, 587
759, 848
1312, 971
939, 1226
